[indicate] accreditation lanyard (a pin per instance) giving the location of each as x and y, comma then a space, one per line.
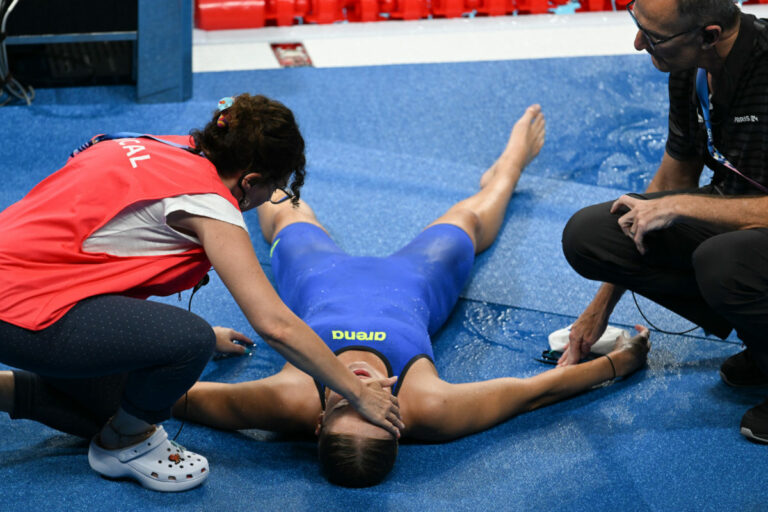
702, 90
124, 135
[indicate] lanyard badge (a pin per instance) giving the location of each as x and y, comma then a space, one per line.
702, 90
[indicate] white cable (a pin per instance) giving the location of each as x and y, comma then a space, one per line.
2, 31
12, 87
13, 5
3, 66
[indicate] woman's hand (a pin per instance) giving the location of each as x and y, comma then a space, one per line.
378, 405
225, 341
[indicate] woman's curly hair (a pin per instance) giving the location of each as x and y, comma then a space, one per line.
258, 135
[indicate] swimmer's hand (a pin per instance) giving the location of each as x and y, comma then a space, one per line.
378, 405
225, 341
630, 354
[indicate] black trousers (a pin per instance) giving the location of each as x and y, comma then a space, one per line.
714, 277
106, 352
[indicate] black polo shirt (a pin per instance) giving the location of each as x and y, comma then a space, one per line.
739, 113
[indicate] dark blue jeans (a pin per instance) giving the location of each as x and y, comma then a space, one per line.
107, 351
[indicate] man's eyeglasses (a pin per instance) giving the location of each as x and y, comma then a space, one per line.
280, 195
653, 42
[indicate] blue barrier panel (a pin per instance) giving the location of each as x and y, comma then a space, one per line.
164, 51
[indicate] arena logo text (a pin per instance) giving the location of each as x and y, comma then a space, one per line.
359, 335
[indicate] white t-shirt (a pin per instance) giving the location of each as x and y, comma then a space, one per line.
141, 229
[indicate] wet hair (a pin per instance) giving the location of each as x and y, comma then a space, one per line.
710, 12
355, 461
259, 135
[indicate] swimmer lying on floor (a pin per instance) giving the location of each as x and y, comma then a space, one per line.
378, 314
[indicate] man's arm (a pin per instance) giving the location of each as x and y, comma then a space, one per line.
653, 214
675, 174
672, 174
732, 212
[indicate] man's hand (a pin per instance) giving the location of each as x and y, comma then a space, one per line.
585, 331
645, 215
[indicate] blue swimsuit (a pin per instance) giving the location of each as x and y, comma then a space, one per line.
389, 306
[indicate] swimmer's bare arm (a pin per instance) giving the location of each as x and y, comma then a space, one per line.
439, 411
285, 402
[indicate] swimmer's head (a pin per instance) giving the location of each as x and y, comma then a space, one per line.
353, 452
255, 135
355, 461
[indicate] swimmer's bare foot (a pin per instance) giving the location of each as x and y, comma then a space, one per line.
525, 142
629, 354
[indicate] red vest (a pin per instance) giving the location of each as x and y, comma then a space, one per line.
43, 269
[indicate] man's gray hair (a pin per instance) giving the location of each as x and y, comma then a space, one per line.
710, 12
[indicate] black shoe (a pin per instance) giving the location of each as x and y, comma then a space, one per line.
740, 371
754, 424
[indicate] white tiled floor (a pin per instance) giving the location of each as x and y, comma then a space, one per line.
437, 40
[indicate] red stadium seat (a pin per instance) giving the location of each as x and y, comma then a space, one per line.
325, 11
218, 15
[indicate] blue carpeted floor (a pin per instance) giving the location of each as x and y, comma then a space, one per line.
389, 149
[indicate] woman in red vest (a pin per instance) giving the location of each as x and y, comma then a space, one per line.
130, 216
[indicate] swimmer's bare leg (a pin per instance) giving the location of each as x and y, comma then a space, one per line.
274, 217
482, 214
